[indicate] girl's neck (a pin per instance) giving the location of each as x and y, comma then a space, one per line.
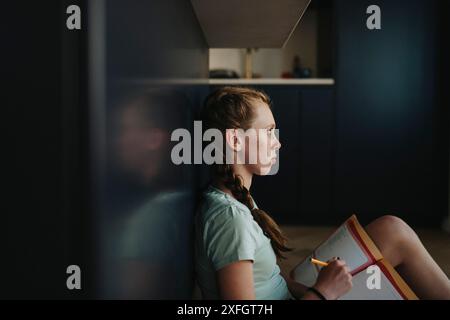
238, 170
242, 171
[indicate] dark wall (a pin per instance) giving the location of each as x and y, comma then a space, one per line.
154, 39
390, 127
36, 222
444, 81
51, 216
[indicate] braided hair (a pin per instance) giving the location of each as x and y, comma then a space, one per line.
232, 108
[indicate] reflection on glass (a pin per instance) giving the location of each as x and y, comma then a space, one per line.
146, 226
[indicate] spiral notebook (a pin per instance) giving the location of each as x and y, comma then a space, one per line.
351, 243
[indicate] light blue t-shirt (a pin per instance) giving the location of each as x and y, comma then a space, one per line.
225, 232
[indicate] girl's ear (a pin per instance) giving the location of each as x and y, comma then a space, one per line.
232, 139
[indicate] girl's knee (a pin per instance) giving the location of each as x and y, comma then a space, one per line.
390, 221
394, 227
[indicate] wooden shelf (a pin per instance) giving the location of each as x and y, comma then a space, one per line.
274, 81
263, 81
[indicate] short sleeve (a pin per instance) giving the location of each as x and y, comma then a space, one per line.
230, 237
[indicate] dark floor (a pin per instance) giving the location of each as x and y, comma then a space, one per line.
305, 239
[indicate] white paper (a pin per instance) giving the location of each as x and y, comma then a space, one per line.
342, 244
360, 290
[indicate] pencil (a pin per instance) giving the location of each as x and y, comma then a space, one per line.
318, 262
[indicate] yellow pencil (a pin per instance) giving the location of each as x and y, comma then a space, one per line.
318, 262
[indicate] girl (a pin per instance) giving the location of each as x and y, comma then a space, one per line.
237, 244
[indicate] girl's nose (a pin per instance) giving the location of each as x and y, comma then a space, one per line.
277, 144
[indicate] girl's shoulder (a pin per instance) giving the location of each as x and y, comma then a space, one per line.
223, 217
219, 206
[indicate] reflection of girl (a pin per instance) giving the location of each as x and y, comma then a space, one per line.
148, 229
237, 244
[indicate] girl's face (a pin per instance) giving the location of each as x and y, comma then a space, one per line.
260, 158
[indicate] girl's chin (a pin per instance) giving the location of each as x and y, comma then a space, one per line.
264, 170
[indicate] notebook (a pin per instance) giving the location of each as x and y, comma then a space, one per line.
374, 278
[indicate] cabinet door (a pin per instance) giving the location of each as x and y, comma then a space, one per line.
300, 192
278, 194
387, 149
316, 155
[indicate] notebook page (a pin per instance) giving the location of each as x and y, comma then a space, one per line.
342, 244
360, 290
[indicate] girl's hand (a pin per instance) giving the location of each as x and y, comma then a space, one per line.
334, 280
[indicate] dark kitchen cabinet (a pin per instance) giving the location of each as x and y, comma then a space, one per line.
391, 136
300, 193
